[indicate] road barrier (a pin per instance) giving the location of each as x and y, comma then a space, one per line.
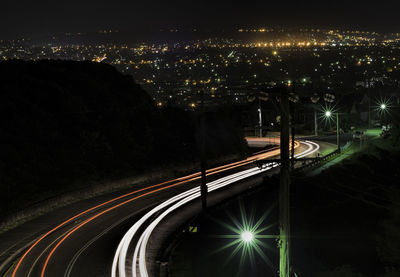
308, 163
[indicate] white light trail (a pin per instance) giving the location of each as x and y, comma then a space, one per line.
119, 261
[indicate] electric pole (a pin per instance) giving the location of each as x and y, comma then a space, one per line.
260, 116
315, 122
369, 102
337, 132
292, 143
203, 187
292, 125
284, 192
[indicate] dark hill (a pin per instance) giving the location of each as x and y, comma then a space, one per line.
63, 123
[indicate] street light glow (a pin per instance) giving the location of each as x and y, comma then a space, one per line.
383, 107
328, 113
247, 236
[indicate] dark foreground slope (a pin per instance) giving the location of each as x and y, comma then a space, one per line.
344, 223
345, 220
63, 123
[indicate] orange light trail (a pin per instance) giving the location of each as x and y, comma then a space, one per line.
180, 180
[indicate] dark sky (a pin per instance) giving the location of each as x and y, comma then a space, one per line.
26, 17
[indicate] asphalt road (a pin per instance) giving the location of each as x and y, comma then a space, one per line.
141, 260
85, 241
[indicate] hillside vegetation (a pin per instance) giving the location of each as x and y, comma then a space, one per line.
64, 123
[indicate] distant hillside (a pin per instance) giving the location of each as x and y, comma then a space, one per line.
64, 122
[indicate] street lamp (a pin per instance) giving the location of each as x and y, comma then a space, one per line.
328, 115
382, 109
247, 236
260, 117
314, 99
261, 96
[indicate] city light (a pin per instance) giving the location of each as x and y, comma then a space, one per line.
149, 64
328, 113
383, 106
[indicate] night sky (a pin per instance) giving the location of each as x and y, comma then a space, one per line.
41, 17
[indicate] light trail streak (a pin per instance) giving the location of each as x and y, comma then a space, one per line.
129, 235
119, 260
181, 180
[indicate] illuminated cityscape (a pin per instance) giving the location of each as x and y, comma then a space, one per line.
228, 70
199, 138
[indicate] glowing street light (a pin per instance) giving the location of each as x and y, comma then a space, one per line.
328, 113
247, 236
382, 107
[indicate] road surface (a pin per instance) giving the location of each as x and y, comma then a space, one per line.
85, 243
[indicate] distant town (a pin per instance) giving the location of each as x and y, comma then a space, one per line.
232, 67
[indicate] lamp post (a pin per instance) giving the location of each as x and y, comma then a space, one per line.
260, 116
383, 109
328, 114
337, 131
314, 99
203, 185
382, 112
261, 96
315, 123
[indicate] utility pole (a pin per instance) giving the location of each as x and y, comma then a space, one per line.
260, 116
315, 122
292, 124
293, 136
203, 188
369, 102
284, 192
337, 131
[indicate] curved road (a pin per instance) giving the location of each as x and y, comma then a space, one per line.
84, 244
139, 234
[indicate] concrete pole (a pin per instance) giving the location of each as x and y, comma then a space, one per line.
315, 122
284, 192
203, 186
337, 131
260, 116
293, 136
369, 103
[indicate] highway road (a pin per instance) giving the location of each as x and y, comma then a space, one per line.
138, 236
85, 243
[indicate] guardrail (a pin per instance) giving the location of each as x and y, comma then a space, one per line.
313, 162
347, 145
306, 162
